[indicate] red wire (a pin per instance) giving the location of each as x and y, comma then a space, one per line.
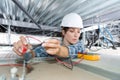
10, 64
33, 38
74, 63
61, 61
81, 58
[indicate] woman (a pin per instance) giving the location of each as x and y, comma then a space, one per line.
70, 46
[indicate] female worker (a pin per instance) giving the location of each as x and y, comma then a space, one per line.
69, 46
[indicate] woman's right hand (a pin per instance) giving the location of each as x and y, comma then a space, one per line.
20, 46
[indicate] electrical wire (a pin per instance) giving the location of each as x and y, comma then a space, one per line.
62, 62
70, 65
33, 38
58, 60
10, 64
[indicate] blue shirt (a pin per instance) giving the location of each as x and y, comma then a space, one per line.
73, 51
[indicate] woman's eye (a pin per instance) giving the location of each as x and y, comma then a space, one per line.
78, 31
71, 30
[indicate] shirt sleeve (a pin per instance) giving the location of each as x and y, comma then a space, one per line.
74, 49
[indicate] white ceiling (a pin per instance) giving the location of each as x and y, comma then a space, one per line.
50, 12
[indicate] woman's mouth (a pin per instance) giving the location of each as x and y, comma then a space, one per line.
74, 39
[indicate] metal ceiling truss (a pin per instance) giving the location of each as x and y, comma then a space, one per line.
49, 13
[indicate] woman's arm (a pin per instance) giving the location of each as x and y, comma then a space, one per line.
51, 46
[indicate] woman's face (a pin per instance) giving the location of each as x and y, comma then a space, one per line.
71, 36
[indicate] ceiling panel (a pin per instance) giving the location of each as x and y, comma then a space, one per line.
51, 12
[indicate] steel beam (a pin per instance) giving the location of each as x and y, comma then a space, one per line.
22, 8
106, 18
27, 25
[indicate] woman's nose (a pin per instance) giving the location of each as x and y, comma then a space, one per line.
76, 34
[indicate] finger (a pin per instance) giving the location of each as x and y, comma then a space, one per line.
17, 52
23, 40
29, 46
53, 41
15, 45
52, 51
20, 44
18, 47
52, 45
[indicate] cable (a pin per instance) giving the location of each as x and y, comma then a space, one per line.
58, 60
10, 64
72, 64
33, 38
62, 62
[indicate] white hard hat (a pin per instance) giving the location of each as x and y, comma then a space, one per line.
72, 20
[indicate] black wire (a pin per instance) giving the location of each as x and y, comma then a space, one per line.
35, 46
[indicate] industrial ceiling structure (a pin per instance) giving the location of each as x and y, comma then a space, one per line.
49, 13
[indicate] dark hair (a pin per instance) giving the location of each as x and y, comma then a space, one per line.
65, 28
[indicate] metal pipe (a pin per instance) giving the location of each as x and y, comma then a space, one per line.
22, 8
